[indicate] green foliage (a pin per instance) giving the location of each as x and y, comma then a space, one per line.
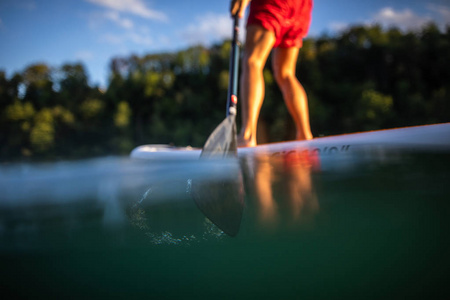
362, 79
223, 80
91, 108
122, 116
64, 115
19, 111
42, 136
373, 110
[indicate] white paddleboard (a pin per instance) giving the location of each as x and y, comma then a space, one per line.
426, 137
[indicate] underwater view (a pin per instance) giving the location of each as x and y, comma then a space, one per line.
374, 225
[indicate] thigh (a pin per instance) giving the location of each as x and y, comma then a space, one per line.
258, 43
284, 61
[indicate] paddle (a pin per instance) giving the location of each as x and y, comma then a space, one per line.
221, 201
222, 141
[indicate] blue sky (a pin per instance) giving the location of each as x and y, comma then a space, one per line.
93, 31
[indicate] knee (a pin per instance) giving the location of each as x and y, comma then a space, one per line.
252, 62
282, 76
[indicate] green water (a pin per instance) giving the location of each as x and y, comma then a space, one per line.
372, 229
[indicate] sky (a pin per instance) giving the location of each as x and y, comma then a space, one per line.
56, 32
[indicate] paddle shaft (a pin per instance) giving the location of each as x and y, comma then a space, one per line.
234, 69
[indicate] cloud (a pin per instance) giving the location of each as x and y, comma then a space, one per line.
338, 26
442, 11
115, 13
140, 38
84, 55
136, 7
25, 5
208, 29
442, 14
133, 37
405, 19
116, 18
112, 39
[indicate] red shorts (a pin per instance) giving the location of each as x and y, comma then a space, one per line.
288, 19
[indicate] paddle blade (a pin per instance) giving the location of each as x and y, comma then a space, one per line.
222, 201
222, 141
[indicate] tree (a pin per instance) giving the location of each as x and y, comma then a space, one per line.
364, 78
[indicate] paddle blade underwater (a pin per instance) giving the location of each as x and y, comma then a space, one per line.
221, 200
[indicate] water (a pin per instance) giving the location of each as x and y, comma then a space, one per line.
373, 225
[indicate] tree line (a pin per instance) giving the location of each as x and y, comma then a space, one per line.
364, 78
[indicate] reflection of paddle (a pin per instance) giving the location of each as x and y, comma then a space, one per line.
223, 201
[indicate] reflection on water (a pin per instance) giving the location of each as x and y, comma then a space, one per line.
283, 187
373, 224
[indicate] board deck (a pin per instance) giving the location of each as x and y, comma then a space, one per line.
426, 137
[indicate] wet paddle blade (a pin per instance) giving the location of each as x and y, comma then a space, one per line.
222, 201
222, 141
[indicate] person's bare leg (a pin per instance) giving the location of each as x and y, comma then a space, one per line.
258, 45
284, 61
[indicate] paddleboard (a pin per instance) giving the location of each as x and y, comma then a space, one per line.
434, 137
